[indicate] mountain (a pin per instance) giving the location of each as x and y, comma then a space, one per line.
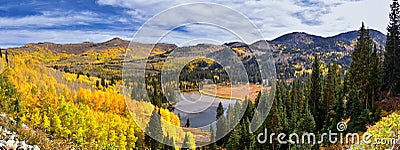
79, 48
292, 52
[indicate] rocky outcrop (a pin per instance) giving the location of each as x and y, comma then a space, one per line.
9, 141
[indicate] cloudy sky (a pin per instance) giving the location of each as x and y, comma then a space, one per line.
67, 21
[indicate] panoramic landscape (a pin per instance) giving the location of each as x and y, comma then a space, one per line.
296, 90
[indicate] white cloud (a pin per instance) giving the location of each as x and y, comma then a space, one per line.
277, 17
51, 19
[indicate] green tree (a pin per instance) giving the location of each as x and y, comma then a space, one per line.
220, 110
353, 110
359, 66
221, 130
187, 125
392, 55
332, 92
339, 109
154, 131
375, 77
8, 63
247, 139
103, 82
315, 97
234, 138
364, 80
169, 143
213, 145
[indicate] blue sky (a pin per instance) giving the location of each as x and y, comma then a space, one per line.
69, 21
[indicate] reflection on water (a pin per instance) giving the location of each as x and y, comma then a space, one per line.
200, 109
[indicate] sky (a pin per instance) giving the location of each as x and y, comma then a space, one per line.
74, 21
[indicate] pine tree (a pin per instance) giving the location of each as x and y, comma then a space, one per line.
234, 138
392, 55
169, 143
306, 124
8, 63
247, 139
103, 82
339, 109
360, 71
294, 107
315, 98
331, 89
375, 77
154, 131
187, 125
221, 130
213, 145
230, 116
249, 108
353, 109
220, 110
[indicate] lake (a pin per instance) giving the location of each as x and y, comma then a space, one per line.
200, 109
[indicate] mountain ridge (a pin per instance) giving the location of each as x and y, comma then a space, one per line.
290, 39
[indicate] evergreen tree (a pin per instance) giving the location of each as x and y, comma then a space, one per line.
234, 138
359, 71
103, 82
154, 131
315, 98
230, 117
187, 125
375, 77
249, 108
213, 145
220, 110
294, 107
392, 55
339, 109
306, 125
353, 110
8, 63
331, 91
221, 130
247, 139
169, 143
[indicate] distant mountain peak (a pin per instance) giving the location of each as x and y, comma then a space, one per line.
115, 39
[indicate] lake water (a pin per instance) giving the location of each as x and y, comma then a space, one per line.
200, 109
